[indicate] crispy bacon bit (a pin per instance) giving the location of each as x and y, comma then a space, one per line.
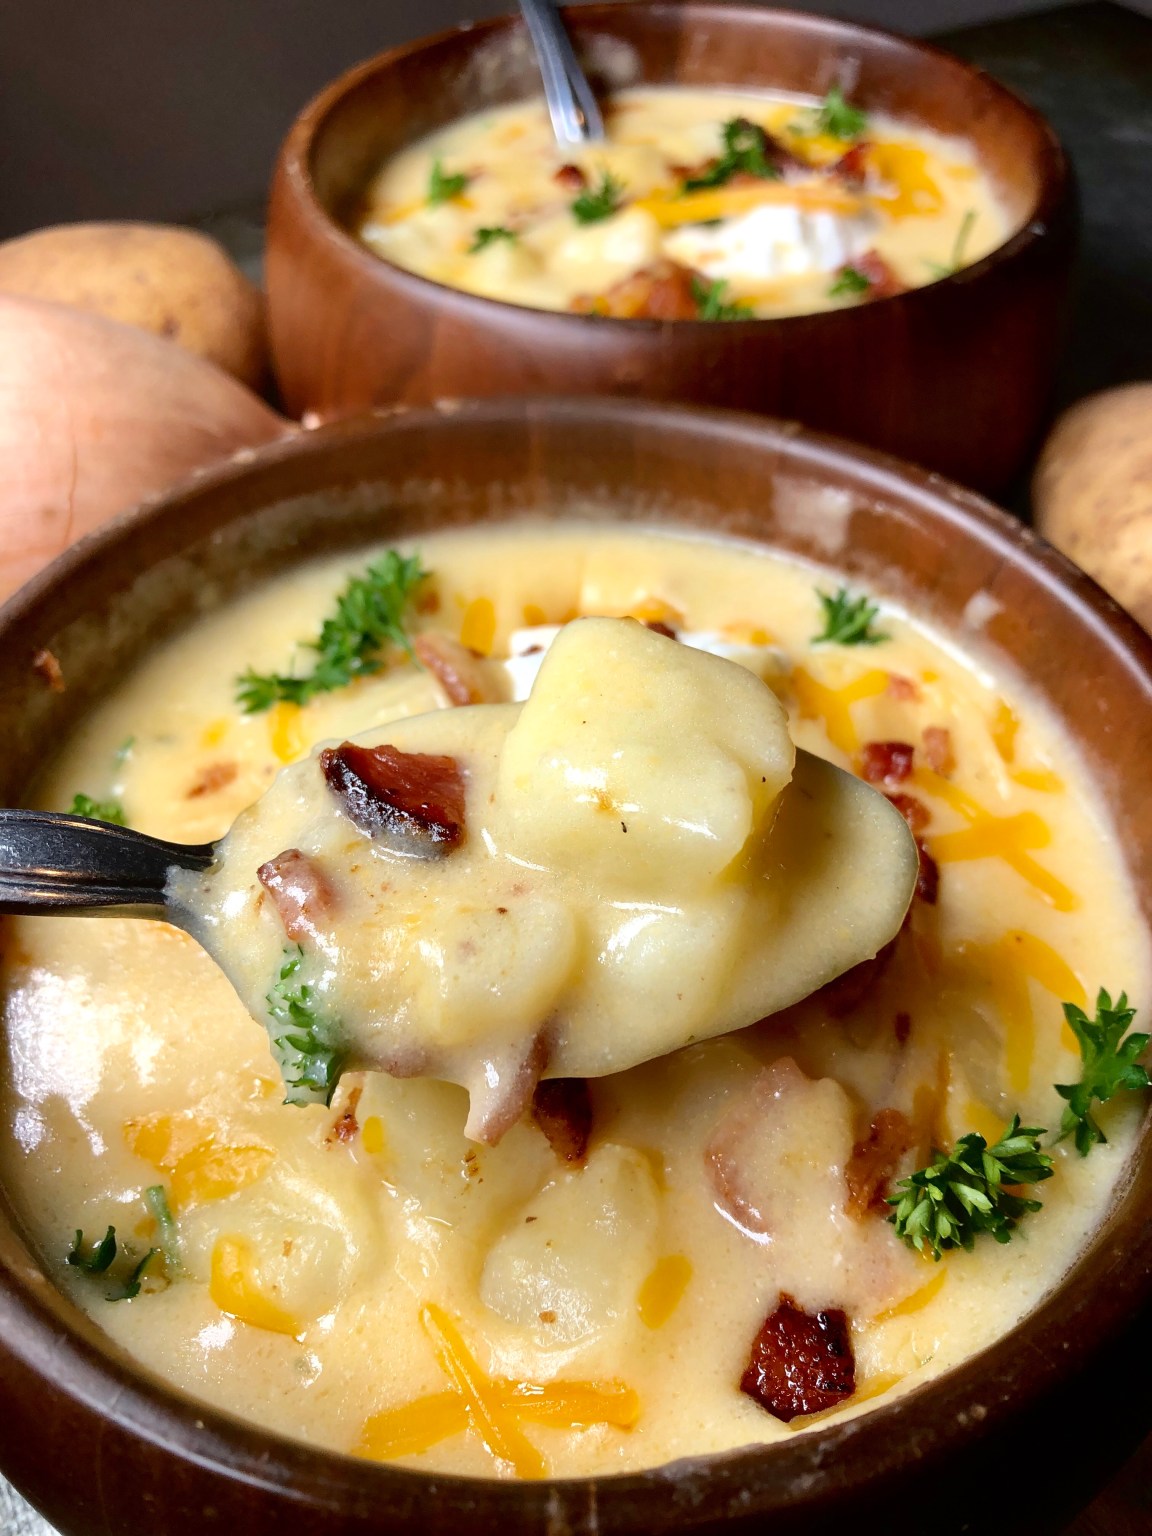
914, 811
663, 291
215, 777
571, 178
938, 750
502, 1096
874, 1160
800, 1364
852, 166
928, 880
408, 794
346, 1127
300, 892
848, 991
658, 627
886, 762
45, 665
902, 1028
459, 671
882, 280
562, 1108
903, 688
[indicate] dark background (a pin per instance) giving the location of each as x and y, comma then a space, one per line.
170, 109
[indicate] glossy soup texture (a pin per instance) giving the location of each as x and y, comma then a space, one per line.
585, 1295
700, 205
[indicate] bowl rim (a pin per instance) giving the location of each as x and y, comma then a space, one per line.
295, 158
46, 1332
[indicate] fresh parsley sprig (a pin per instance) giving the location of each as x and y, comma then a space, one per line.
156, 1198
959, 245
442, 188
370, 615
965, 1193
848, 620
1109, 1055
307, 1046
850, 281
838, 117
98, 810
599, 202
489, 234
712, 305
746, 149
99, 1258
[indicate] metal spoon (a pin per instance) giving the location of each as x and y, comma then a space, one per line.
63, 863
572, 105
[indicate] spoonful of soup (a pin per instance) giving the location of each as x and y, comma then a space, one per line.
635, 858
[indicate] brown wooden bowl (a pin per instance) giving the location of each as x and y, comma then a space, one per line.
104, 1448
956, 376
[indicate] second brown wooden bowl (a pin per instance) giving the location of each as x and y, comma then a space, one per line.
956, 375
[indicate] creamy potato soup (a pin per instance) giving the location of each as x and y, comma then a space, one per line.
693, 1254
705, 205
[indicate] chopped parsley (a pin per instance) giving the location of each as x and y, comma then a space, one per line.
1109, 1055
838, 117
965, 1193
306, 1046
849, 280
848, 620
443, 188
157, 1202
712, 305
746, 148
98, 810
600, 202
369, 615
488, 235
99, 1258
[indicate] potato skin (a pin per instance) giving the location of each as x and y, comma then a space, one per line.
170, 281
1092, 492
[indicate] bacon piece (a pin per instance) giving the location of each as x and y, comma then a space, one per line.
658, 627
800, 1363
882, 280
504, 1091
874, 1160
928, 880
662, 291
903, 688
914, 811
459, 671
845, 993
346, 1127
215, 777
938, 750
300, 892
386, 792
886, 762
852, 166
48, 669
562, 1108
571, 178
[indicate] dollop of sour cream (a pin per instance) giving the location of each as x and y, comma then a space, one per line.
643, 860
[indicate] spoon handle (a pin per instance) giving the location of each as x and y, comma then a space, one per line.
63, 863
572, 103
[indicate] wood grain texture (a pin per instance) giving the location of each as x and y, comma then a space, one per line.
104, 1448
956, 375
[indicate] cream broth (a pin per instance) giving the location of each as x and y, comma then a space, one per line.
363, 1276
700, 204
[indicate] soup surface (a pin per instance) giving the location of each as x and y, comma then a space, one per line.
699, 205
636, 1270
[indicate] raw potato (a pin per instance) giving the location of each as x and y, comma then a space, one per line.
170, 281
1092, 492
94, 417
